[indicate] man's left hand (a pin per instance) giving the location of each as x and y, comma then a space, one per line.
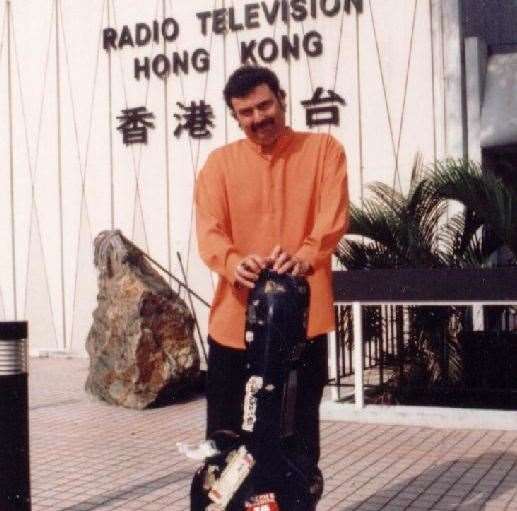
283, 262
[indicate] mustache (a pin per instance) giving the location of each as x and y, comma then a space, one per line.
262, 124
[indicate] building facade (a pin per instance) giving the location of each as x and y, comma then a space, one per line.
110, 107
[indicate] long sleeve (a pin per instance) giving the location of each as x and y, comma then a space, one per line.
212, 222
248, 201
333, 209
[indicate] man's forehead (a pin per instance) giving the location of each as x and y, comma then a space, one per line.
257, 94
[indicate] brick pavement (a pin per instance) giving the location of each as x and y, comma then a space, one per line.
87, 455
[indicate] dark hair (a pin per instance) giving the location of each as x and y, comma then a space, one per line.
244, 79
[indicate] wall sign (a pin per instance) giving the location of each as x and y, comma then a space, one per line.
222, 21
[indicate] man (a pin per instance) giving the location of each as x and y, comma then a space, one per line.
276, 198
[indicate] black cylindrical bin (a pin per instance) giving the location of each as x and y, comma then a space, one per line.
14, 423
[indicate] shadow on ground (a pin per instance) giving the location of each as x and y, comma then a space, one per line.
129, 493
182, 393
465, 484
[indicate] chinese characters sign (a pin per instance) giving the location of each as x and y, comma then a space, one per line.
321, 109
196, 118
135, 124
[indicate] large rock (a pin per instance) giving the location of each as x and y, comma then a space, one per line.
140, 345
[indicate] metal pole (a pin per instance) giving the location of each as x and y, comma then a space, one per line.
14, 439
167, 272
358, 354
478, 317
333, 364
192, 308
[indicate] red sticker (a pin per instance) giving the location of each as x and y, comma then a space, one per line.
264, 502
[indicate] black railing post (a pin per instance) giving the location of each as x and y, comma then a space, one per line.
14, 415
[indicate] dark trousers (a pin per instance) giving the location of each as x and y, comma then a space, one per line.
225, 391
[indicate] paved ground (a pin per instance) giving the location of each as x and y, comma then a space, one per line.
86, 456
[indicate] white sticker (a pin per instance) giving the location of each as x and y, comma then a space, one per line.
249, 416
239, 465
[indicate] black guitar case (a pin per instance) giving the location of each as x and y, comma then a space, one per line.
265, 460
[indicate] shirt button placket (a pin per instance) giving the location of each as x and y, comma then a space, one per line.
270, 188
276, 198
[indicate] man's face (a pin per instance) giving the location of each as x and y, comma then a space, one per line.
260, 114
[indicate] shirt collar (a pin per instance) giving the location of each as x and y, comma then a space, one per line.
281, 142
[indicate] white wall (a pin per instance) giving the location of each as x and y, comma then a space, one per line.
70, 181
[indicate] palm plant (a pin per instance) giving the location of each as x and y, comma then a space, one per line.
488, 204
395, 230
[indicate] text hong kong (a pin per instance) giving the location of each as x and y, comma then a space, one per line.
249, 16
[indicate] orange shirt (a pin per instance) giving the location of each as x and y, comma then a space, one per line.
248, 201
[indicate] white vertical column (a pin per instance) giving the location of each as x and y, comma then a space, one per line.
475, 71
455, 117
11, 155
359, 105
60, 175
437, 65
110, 128
167, 156
358, 354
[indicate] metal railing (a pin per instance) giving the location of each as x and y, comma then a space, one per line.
382, 331
375, 307
389, 330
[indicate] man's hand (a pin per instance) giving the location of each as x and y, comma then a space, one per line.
283, 262
247, 271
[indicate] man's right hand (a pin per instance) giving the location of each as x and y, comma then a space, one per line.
247, 271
